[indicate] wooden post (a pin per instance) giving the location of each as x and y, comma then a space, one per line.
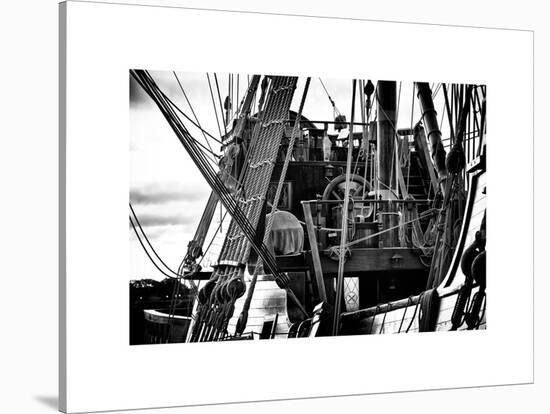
424, 154
314, 252
433, 133
385, 142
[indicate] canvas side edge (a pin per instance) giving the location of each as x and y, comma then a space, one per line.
62, 397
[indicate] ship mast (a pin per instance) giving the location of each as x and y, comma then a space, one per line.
385, 159
433, 133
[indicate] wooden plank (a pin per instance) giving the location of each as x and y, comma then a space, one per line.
294, 263
364, 260
392, 320
315, 252
201, 275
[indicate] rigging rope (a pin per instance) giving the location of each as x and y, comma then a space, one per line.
168, 272
190, 120
343, 236
372, 235
211, 153
241, 324
336, 111
221, 105
214, 315
238, 102
148, 84
214, 104
192, 111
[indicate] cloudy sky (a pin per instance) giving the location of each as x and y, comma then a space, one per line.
166, 189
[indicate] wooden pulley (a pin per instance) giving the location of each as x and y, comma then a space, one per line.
227, 103
340, 122
479, 269
235, 288
369, 88
219, 293
456, 159
206, 291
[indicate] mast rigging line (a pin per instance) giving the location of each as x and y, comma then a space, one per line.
214, 104
222, 219
424, 214
181, 111
190, 120
412, 105
170, 273
398, 103
330, 98
343, 236
192, 110
227, 285
238, 103
195, 288
147, 83
221, 105
239, 108
243, 317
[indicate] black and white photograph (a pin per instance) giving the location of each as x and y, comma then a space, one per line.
268, 206
281, 207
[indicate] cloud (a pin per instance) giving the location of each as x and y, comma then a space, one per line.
166, 193
165, 227
166, 210
158, 220
153, 233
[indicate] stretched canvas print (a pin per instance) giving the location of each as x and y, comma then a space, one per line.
261, 206
289, 207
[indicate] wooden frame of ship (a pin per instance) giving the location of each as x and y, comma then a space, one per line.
338, 227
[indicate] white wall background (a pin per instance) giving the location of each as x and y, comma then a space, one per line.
28, 212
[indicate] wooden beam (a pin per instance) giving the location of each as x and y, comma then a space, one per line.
202, 275
315, 252
294, 263
402, 185
422, 148
364, 260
